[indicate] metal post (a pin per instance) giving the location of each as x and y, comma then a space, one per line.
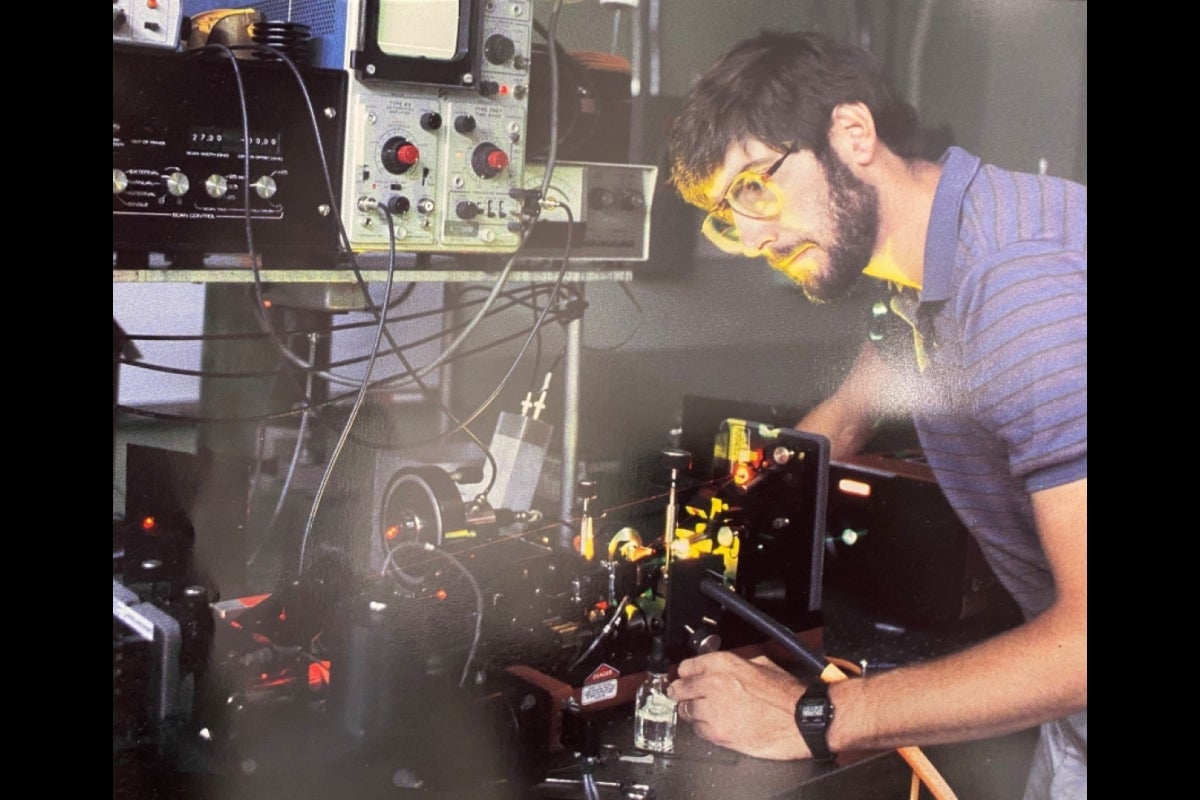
451, 293
570, 432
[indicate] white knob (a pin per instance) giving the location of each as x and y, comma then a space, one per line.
216, 186
265, 187
178, 184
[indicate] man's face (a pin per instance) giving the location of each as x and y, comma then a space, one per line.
825, 234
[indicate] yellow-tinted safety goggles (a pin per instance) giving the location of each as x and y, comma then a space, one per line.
752, 194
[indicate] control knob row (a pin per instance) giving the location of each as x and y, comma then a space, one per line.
397, 205
629, 199
217, 186
178, 184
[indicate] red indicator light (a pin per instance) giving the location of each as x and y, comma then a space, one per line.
151, 3
440, 594
318, 674
266, 303
148, 523
503, 88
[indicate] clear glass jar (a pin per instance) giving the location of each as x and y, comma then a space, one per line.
654, 716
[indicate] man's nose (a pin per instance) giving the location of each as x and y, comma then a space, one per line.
755, 234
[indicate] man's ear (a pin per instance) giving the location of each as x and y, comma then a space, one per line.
852, 134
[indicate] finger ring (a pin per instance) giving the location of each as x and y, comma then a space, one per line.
685, 709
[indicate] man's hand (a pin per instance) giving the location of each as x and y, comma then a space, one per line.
748, 706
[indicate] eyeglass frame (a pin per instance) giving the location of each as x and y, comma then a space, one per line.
714, 216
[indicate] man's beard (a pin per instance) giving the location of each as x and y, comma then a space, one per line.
854, 206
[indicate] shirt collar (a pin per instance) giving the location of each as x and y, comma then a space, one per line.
941, 240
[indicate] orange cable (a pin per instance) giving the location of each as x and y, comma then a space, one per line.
922, 767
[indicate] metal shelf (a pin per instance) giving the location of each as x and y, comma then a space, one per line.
245, 275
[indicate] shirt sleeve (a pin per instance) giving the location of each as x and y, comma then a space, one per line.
1025, 358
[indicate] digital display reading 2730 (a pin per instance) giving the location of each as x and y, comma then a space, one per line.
229, 140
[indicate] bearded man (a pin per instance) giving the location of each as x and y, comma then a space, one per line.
802, 154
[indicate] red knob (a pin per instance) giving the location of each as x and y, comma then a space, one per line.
488, 161
398, 155
497, 160
407, 154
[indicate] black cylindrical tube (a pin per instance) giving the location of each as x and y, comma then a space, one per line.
714, 589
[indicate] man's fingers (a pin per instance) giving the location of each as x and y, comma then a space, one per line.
721, 661
695, 687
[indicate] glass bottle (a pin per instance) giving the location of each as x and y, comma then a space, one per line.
654, 712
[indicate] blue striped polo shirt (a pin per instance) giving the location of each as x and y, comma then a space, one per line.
1003, 310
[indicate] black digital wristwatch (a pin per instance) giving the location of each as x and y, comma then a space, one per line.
814, 712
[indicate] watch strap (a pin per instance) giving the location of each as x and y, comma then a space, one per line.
814, 712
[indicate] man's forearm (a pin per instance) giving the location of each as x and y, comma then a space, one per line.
1032, 674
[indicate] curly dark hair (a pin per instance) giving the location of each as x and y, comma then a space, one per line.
781, 88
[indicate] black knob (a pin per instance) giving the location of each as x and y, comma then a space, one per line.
399, 205
601, 198
488, 88
704, 640
431, 120
632, 201
498, 48
464, 123
488, 160
398, 155
676, 459
466, 209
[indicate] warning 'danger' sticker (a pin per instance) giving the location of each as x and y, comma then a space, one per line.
600, 685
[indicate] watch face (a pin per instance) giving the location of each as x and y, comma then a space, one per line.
812, 713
